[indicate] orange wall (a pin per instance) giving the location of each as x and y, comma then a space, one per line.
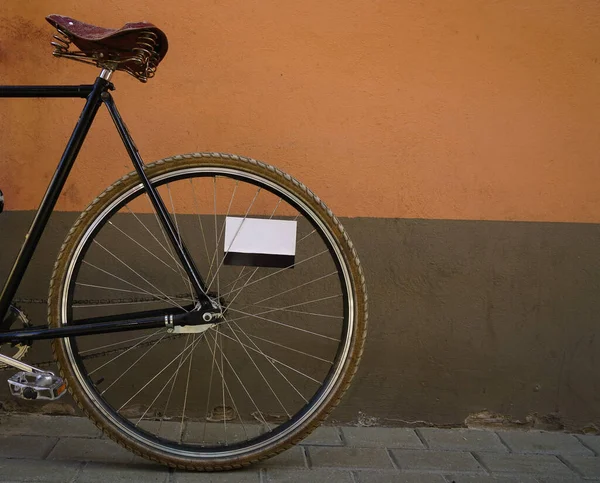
466, 109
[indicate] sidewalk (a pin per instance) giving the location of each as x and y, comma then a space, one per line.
69, 449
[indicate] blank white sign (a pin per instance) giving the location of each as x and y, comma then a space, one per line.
260, 236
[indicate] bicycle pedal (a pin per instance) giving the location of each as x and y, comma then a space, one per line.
40, 385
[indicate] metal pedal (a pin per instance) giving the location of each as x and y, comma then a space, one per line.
37, 385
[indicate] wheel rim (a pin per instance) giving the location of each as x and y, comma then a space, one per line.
275, 432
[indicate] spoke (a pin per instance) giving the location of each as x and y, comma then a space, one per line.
212, 369
214, 354
142, 246
216, 254
179, 237
155, 376
276, 360
239, 277
187, 385
128, 291
167, 300
219, 265
158, 331
261, 373
306, 236
242, 384
270, 361
294, 288
129, 368
279, 200
329, 297
278, 271
289, 306
200, 222
184, 278
139, 275
280, 345
234, 283
285, 325
222, 349
173, 376
154, 237
119, 343
218, 239
239, 291
143, 302
303, 312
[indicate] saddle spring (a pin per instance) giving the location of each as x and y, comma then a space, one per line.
61, 43
145, 54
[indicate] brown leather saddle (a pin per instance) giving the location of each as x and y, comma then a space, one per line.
136, 48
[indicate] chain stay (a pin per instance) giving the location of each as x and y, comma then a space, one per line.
95, 302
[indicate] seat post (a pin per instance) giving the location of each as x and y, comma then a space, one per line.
106, 74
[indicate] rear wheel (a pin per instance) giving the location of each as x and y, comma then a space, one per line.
249, 387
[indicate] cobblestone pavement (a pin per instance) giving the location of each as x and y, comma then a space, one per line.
70, 449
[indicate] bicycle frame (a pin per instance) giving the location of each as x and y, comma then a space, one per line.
95, 95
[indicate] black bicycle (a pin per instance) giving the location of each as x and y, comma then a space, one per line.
207, 310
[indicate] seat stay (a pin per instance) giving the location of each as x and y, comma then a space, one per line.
98, 93
187, 262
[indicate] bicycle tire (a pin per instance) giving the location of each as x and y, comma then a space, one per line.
92, 402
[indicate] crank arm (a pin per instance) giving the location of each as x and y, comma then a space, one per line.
9, 361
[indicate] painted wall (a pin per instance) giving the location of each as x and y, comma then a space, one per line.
463, 110
455, 113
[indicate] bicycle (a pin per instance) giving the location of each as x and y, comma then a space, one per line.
207, 310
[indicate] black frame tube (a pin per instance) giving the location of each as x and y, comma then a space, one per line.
186, 260
37, 333
46, 91
194, 317
96, 94
55, 187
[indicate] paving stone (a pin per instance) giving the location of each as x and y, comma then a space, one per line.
490, 479
441, 461
559, 479
331, 457
198, 432
26, 446
250, 475
43, 425
462, 440
524, 463
324, 436
75, 449
122, 473
308, 476
37, 470
589, 467
382, 437
292, 458
543, 442
165, 429
396, 477
591, 441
